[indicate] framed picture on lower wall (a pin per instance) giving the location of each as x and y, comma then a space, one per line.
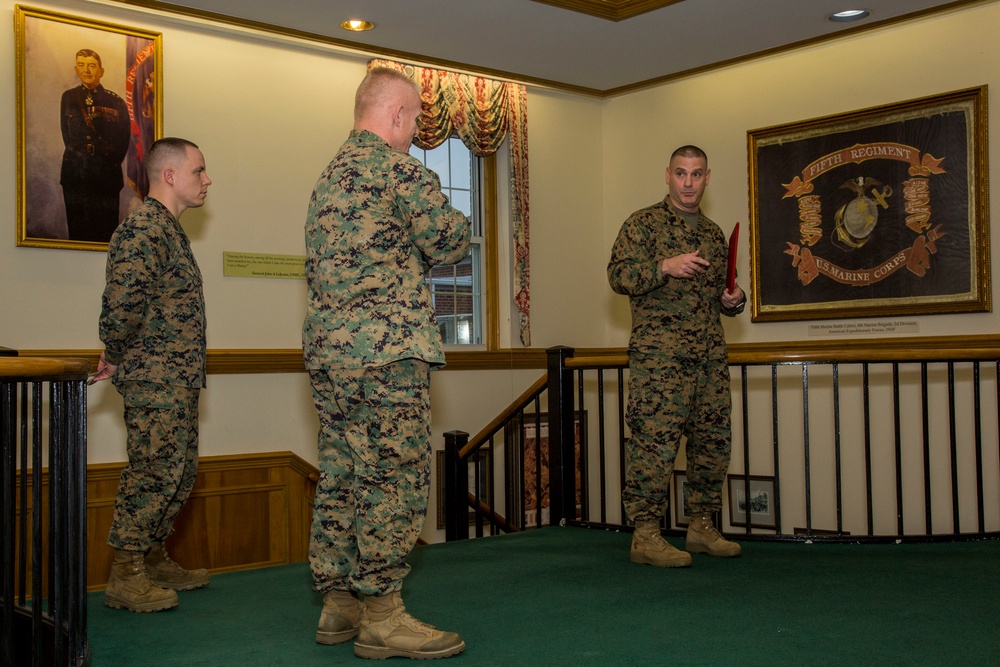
682, 516
755, 499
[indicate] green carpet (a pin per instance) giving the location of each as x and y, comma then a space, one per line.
569, 596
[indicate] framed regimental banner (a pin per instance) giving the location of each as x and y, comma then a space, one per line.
89, 105
878, 212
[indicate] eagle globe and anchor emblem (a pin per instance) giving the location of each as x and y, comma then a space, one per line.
855, 221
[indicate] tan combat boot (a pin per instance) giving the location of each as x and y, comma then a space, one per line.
165, 573
387, 631
339, 620
703, 538
129, 586
648, 546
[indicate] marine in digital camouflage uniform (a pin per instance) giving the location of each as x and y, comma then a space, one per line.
671, 261
377, 221
153, 327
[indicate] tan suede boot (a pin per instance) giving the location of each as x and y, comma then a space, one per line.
129, 586
339, 620
165, 573
703, 538
387, 631
649, 547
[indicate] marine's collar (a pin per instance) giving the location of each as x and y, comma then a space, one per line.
677, 213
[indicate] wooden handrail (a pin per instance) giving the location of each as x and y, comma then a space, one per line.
604, 361
914, 348
502, 418
928, 348
44, 367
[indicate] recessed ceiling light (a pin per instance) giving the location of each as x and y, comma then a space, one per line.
849, 15
357, 26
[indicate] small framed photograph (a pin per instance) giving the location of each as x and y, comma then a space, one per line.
682, 513
757, 499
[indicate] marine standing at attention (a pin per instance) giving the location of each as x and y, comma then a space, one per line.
377, 221
153, 329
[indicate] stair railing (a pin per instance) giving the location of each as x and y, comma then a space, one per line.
43, 603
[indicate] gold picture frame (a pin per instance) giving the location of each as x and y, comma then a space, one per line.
89, 99
877, 212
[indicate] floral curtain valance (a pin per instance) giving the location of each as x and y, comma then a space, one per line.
482, 112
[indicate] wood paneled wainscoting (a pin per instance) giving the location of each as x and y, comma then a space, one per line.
246, 511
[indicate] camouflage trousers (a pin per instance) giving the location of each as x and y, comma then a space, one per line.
670, 399
374, 461
162, 425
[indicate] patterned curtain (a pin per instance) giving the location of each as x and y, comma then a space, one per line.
482, 112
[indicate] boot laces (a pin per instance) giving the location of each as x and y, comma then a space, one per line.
137, 570
404, 618
657, 540
648, 537
136, 566
167, 560
703, 524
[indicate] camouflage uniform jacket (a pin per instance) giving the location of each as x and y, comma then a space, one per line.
671, 316
377, 222
153, 309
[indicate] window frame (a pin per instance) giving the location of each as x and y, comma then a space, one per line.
487, 175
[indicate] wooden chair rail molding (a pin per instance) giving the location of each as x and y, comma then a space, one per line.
926, 348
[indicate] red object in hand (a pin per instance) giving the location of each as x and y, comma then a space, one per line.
733, 244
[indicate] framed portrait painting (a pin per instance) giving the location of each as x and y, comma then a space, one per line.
878, 212
89, 104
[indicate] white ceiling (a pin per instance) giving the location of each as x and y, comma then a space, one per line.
540, 43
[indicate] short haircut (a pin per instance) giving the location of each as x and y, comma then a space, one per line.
689, 151
163, 151
377, 86
88, 53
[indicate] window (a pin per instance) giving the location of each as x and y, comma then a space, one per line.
458, 291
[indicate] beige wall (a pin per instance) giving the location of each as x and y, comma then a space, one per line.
269, 113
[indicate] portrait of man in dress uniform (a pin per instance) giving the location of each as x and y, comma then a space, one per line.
96, 132
89, 106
